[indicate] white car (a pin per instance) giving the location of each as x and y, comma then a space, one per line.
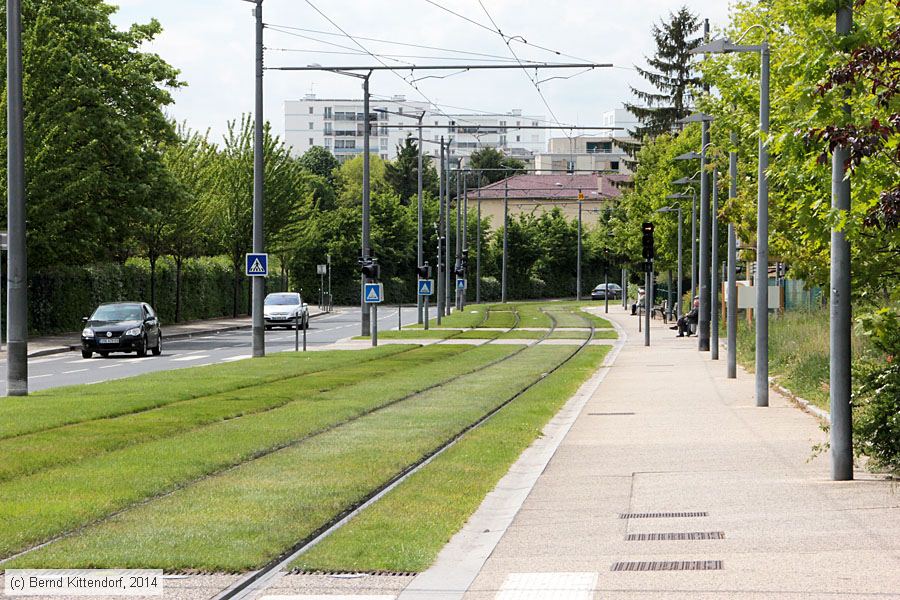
284, 309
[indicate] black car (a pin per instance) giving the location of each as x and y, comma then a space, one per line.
122, 327
599, 292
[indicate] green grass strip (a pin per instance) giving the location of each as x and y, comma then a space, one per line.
531, 315
478, 334
74, 404
500, 318
472, 316
405, 530
240, 519
412, 334
59, 499
69, 444
570, 335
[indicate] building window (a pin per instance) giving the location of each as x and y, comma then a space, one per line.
502, 140
312, 142
518, 138
310, 124
534, 123
328, 144
310, 110
327, 112
328, 129
614, 165
599, 147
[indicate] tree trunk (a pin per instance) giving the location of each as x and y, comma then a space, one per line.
179, 260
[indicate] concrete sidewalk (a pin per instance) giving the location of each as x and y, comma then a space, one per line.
672, 484
68, 342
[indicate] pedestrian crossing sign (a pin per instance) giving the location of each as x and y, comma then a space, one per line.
257, 265
373, 293
461, 284
426, 287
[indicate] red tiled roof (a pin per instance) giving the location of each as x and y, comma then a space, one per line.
545, 186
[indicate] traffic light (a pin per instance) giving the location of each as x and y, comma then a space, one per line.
371, 270
647, 241
465, 259
424, 272
459, 270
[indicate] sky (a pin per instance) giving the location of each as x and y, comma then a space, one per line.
212, 43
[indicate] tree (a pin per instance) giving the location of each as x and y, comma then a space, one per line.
319, 161
671, 73
349, 178
491, 158
402, 174
94, 124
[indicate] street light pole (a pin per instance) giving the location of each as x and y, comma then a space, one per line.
505, 238
478, 248
465, 238
762, 238
578, 267
17, 266
364, 308
442, 185
839, 379
714, 271
680, 276
703, 279
458, 245
731, 299
447, 235
420, 252
258, 283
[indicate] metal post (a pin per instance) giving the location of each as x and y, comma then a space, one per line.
366, 315
841, 415
258, 283
505, 238
478, 248
731, 297
305, 327
606, 280
426, 313
714, 272
465, 242
680, 275
420, 252
578, 267
458, 245
670, 304
442, 184
703, 279
399, 316
297, 332
374, 317
762, 239
648, 302
625, 288
447, 286
330, 296
693, 249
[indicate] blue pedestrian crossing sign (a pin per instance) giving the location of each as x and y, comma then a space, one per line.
461, 284
426, 287
373, 293
257, 265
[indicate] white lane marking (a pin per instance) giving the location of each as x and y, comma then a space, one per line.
191, 357
538, 586
39, 361
74, 371
235, 358
76, 362
40, 376
111, 366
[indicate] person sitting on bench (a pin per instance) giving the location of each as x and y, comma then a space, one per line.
639, 302
686, 320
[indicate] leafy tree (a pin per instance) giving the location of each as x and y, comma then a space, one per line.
671, 73
491, 158
94, 124
402, 174
319, 161
349, 177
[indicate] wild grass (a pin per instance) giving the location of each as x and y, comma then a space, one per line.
239, 519
405, 530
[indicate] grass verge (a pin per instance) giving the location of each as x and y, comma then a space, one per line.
59, 499
241, 518
413, 334
405, 530
472, 316
497, 317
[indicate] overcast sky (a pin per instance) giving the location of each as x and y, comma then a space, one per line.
212, 43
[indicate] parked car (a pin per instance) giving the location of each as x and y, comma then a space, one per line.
122, 327
283, 310
614, 290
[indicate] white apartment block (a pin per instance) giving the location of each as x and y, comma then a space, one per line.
583, 153
337, 125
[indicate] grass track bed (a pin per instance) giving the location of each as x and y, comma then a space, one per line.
505, 318
472, 316
405, 530
412, 334
56, 500
75, 404
237, 520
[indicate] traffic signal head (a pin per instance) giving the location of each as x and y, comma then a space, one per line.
424, 272
371, 270
647, 241
465, 259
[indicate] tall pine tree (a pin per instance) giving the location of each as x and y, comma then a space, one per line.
671, 72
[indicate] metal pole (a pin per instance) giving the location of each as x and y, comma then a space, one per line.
420, 253
305, 327
330, 297
465, 242
366, 313
297, 332
258, 283
606, 280
505, 238
669, 295
625, 288
478, 248
648, 276
731, 298
762, 239
399, 316
458, 244
426, 312
680, 275
442, 183
578, 268
703, 279
693, 248
840, 310
374, 316
447, 280
17, 266
714, 272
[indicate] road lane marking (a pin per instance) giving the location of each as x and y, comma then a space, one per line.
191, 357
111, 366
40, 376
74, 371
234, 358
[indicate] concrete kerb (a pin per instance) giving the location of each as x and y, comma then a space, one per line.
462, 559
176, 336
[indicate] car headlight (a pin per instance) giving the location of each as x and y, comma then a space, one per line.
88, 333
134, 331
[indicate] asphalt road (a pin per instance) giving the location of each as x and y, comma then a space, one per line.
70, 369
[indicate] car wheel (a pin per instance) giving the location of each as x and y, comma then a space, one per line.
86, 354
142, 350
158, 350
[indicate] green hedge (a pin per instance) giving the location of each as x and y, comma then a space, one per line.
59, 297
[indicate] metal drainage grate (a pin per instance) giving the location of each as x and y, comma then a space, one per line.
690, 535
662, 515
610, 414
670, 565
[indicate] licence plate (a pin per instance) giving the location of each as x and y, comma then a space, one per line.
109, 340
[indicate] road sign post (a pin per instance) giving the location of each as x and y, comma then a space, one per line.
373, 294
257, 265
424, 291
321, 270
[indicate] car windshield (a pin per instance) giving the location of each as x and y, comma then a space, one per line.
117, 312
282, 300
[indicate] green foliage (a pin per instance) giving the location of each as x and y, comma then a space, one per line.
319, 161
491, 158
402, 174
